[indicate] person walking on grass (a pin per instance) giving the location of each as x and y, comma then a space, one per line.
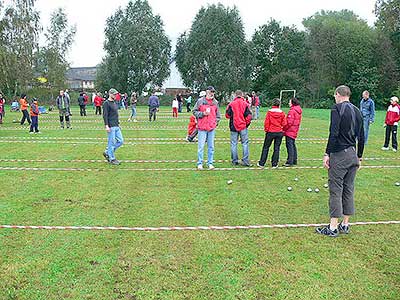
24, 109
367, 108
133, 108
291, 130
239, 116
391, 123
63, 105
206, 111
154, 104
34, 113
342, 160
98, 102
111, 122
275, 121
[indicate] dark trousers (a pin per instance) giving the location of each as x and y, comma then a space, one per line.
82, 110
342, 173
291, 151
34, 124
188, 107
152, 113
391, 129
276, 137
180, 107
25, 116
98, 110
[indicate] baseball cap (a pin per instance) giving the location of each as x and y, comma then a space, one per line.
113, 91
211, 88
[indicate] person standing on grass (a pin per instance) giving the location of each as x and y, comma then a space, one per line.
342, 160
291, 130
34, 112
275, 121
63, 105
154, 104
206, 111
98, 102
82, 105
2, 108
111, 122
24, 109
239, 116
133, 108
391, 123
255, 105
367, 108
175, 106
188, 103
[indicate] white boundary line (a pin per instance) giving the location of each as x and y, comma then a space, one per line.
186, 228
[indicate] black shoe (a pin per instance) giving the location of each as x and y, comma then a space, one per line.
327, 231
105, 154
243, 164
115, 162
235, 163
344, 229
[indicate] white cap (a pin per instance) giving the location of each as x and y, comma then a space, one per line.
202, 93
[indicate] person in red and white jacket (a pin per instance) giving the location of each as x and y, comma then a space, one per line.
239, 115
208, 116
98, 102
391, 123
291, 130
274, 123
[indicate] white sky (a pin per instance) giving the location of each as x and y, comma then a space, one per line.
90, 17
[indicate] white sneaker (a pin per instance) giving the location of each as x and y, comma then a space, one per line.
211, 167
134, 120
394, 150
200, 167
385, 148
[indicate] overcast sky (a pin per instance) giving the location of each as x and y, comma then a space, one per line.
90, 17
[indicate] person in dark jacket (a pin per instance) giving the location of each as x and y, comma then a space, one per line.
291, 130
82, 105
63, 105
111, 122
154, 104
367, 108
239, 115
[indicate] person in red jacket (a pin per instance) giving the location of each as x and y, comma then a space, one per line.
291, 130
192, 129
274, 123
239, 115
391, 123
98, 102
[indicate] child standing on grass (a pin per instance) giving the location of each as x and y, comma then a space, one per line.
34, 113
175, 106
192, 129
275, 121
391, 123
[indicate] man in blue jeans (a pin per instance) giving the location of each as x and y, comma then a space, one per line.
239, 116
367, 108
111, 122
206, 111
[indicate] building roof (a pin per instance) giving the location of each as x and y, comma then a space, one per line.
85, 73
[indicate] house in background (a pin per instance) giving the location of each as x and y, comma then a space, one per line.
174, 84
79, 79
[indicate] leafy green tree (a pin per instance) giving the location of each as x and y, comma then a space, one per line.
215, 51
19, 29
137, 50
51, 61
281, 61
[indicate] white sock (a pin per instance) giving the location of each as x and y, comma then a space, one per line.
331, 228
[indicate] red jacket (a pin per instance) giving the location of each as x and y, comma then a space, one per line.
239, 115
255, 101
192, 125
98, 101
293, 122
393, 114
207, 122
275, 120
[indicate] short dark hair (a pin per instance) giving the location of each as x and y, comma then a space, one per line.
343, 90
276, 102
295, 101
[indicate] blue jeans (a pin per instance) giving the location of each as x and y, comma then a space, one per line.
204, 136
244, 136
366, 130
133, 114
115, 140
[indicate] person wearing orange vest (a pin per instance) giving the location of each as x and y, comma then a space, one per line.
24, 109
35, 117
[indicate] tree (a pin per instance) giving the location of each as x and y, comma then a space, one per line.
281, 62
19, 29
51, 61
215, 51
137, 50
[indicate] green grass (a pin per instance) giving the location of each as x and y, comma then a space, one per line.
255, 264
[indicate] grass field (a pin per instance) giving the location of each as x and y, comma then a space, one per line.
245, 264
